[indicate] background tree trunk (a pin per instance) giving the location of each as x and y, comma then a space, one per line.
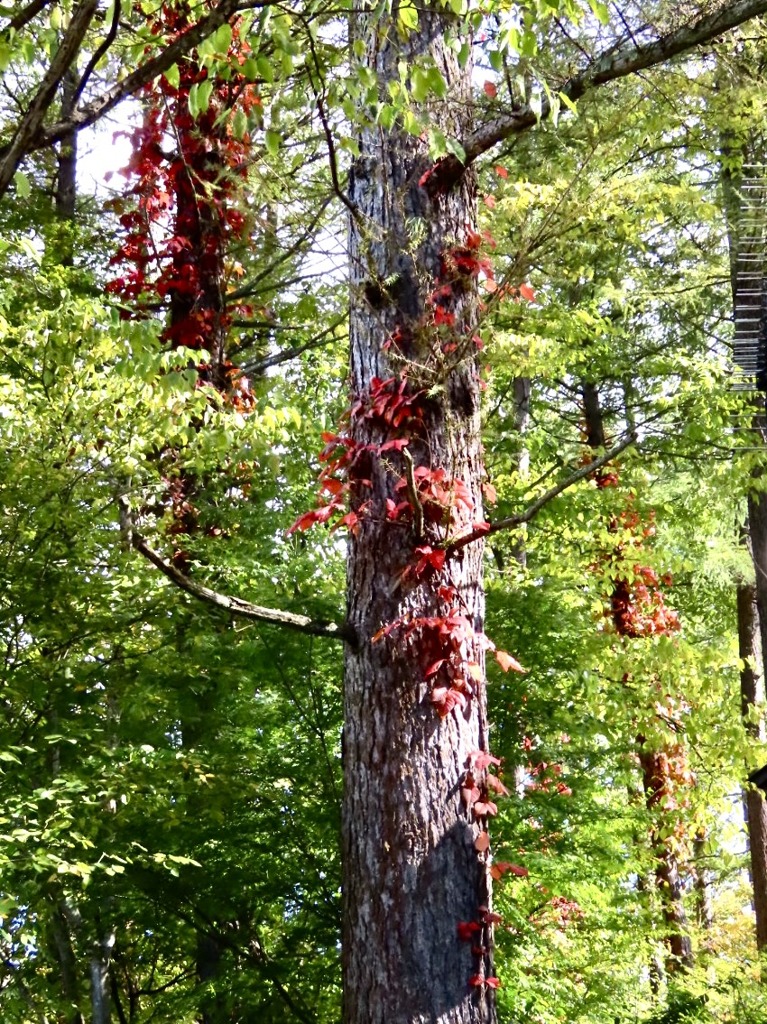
754, 804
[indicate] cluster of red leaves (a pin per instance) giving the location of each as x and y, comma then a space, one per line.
478, 783
391, 410
443, 642
178, 219
185, 211
637, 604
546, 778
669, 781
638, 609
562, 911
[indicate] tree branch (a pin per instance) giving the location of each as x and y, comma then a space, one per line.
611, 65
97, 108
106, 43
236, 605
325, 337
24, 16
30, 123
553, 492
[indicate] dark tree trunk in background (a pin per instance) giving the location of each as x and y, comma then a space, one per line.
411, 871
750, 651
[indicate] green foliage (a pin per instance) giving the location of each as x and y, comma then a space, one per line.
170, 776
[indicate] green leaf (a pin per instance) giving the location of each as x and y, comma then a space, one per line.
265, 69
387, 115
455, 147
407, 17
437, 83
273, 140
239, 124
21, 181
570, 104
172, 76
222, 38
250, 69
601, 10
193, 100
419, 85
204, 92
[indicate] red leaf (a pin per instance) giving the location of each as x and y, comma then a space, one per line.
480, 759
398, 445
490, 90
425, 177
476, 980
485, 807
304, 522
445, 699
434, 667
470, 795
527, 292
490, 202
332, 485
482, 842
493, 982
494, 783
501, 171
501, 867
473, 239
506, 662
468, 929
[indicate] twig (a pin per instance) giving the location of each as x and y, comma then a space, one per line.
235, 605
412, 493
553, 492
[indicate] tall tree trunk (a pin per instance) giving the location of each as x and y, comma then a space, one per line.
746, 242
749, 643
66, 175
411, 870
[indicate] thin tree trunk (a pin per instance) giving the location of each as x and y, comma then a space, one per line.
66, 178
411, 870
656, 781
749, 644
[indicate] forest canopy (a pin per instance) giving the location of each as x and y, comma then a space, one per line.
383, 526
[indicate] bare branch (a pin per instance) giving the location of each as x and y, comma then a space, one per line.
553, 492
236, 605
24, 16
324, 337
107, 42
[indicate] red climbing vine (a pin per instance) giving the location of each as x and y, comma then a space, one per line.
181, 217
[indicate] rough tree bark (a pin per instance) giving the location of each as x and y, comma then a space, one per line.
411, 871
